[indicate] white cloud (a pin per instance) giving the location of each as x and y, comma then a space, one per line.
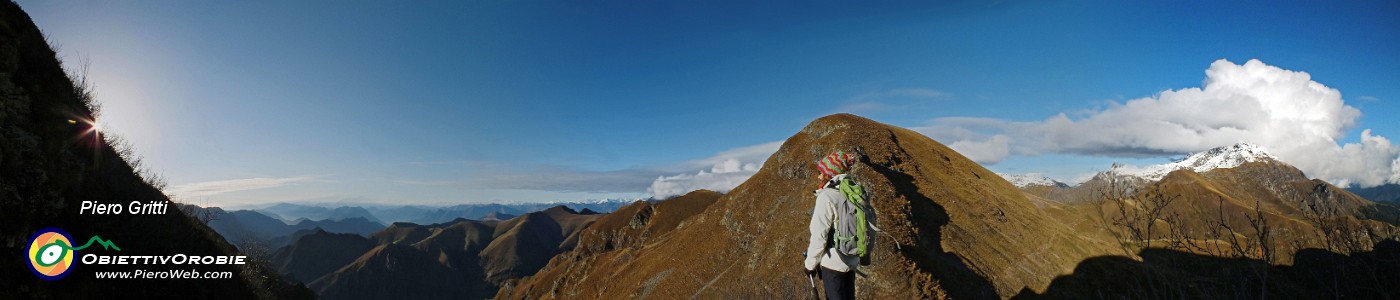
1395, 171
747, 154
1361, 163
211, 188
720, 172
727, 170
992, 149
1298, 119
722, 178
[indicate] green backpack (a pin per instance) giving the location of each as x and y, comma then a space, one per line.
852, 230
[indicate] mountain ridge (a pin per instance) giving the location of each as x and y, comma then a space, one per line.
1389, 192
333, 250
424, 214
241, 227
464, 258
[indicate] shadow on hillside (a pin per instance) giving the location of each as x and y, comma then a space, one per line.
1168, 274
952, 274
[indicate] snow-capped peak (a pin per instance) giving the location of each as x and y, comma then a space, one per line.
613, 200
1029, 179
1217, 158
595, 201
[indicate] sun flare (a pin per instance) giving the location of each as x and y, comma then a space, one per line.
95, 128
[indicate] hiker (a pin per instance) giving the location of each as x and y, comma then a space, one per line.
828, 248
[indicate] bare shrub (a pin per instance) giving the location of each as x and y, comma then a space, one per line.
1135, 215
201, 212
137, 162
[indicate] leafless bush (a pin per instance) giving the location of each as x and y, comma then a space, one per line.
84, 90
82, 87
1134, 221
1339, 231
1117, 196
128, 153
257, 271
201, 212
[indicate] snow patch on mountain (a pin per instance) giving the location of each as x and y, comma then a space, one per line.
597, 201
1029, 179
1217, 158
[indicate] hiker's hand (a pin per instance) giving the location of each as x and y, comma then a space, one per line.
812, 273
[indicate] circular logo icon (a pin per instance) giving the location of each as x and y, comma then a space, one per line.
50, 253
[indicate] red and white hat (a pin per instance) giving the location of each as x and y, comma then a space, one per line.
837, 163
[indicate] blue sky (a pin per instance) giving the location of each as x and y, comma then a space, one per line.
252, 102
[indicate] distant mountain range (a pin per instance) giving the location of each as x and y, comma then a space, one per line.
336, 250
292, 213
1386, 192
1216, 158
450, 260
420, 214
242, 226
278, 225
